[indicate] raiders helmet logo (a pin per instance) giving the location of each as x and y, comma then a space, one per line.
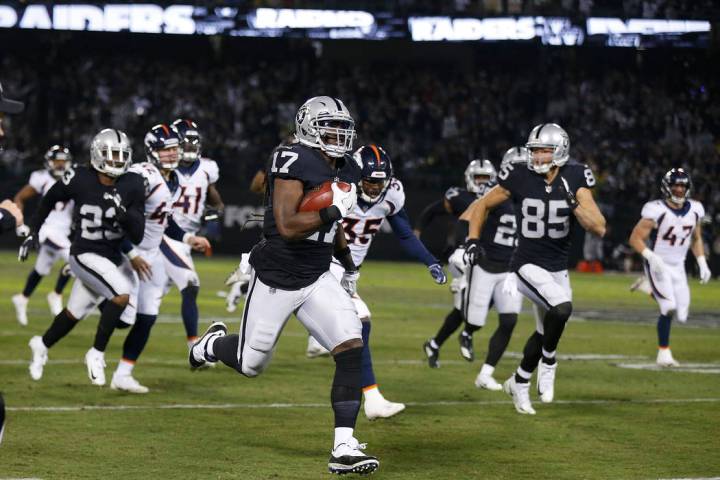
301, 114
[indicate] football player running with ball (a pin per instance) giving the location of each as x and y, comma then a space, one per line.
672, 225
291, 271
549, 194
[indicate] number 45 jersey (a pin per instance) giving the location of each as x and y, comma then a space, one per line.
673, 228
543, 215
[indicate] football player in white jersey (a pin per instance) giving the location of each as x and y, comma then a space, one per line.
196, 178
54, 234
381, 197
162, 147
671, 226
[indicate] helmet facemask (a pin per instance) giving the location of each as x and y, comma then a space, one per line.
190, 150
58, 161
552, 137
334, 135
110, 152
479, 174
167, 158
372, 189
675, 178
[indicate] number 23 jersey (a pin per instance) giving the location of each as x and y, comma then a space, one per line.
673, 228
543, 215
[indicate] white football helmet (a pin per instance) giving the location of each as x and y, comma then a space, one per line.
110, 152
548, 135
322, 119
515, 155
479, 167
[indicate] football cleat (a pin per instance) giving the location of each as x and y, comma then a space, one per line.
198, 355
349, 458
546, 381
39, 357
381, 408
314, 349
487, 382
466, 347
20, 302
55, 303
432, 355
665, 358
127, 383
520, 393
95, 362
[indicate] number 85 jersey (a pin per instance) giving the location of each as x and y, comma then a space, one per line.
543, 215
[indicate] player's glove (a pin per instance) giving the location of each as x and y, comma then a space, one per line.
437, 273
115, 200
212, 214
509, 286
349, 281
30, 243
473, 252
705, 274
656, 264
569, 195
234, 296
457, 259
344, 201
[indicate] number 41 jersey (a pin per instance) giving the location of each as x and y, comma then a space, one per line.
673, 228
543, 214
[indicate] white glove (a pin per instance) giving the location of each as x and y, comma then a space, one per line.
349, 281
657, 265
705, 274
509, 286
233, 297
344, 201
457, 259
239, 278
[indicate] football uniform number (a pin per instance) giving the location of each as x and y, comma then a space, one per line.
505, 171
671, 238
370, 228
505, 232
589, 177
159, 214
285, 168
68, 176
325, 235
533, 219
189, 202
91, 225
452, 192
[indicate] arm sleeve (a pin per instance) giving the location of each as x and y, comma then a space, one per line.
126, 245
433, 210
60, 192
462, 230
174, 231
212, 170
134, 220
650, 211
400, 224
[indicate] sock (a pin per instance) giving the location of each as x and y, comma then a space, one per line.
109, 319
663, 330
346, 392
62, 280
191, 341
125, 367
548, 358
372, 393
531, 354
487, 370
225, 349
367, 373
522, 375
190, 312
31, 283
469, 330
61, 326
500, 338
453, 320
554, 325
342, 435
434, 345
138, 336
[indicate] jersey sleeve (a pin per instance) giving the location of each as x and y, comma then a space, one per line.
581, 176
288, 163
510, 179
453, 196
211, 169
395, 196
651, 211
138, 169
699, 209
38, 181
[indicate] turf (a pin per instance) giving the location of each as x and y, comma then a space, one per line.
609, 422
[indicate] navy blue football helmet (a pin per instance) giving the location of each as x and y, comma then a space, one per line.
161, 137
190, 140
58, 160
377, 172
676, 176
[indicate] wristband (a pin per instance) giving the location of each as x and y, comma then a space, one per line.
186, 238
330, 214
647, 253
345, 258
132, 254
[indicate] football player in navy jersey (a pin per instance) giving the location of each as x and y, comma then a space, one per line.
291, 271
108, 206
548, 195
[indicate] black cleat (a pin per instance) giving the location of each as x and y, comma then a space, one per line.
466, 347
432, 355
349, 458
199, 349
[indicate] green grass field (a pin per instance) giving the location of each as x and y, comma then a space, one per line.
607, 422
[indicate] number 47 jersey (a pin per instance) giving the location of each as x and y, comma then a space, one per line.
673, 228
543, 215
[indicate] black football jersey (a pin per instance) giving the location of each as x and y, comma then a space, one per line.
543, 215
95, 226
291, 265
459, 199
498, 238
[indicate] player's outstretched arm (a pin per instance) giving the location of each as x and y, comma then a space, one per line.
25, 194
214, 199
480, 208
441, 207
698, 250
588, 213
400, 223
291, 224
640, 234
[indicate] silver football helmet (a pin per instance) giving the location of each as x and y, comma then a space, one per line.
325, 123
110, 152
548, 135
514, 155
479, 168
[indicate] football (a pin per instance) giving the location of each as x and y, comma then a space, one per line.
320, 197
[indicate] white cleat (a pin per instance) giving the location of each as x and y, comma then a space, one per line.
95, 361
20, 302
382, 408
348, 457
39, 357
198, 355
665, 358
546, 381
314, 349
127, 383
55, 303
520, 393
487, 382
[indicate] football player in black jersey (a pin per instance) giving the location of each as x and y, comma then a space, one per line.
548, 196
108, 207
291, 271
